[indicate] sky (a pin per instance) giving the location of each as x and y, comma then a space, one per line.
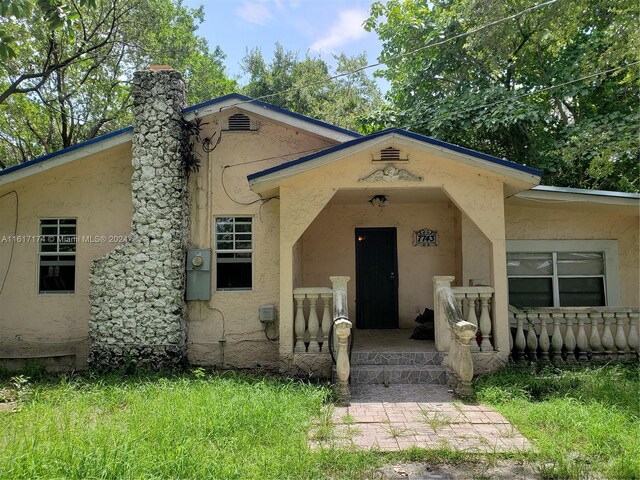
321, 27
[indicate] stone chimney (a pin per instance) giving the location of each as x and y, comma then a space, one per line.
137, 290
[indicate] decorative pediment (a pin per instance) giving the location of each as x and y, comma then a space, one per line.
391, 174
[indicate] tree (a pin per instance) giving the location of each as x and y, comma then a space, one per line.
510, 90
306, 86
65, 86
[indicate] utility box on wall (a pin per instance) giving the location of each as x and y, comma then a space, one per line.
198, 274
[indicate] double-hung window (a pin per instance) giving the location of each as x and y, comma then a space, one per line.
234, 253
57, 256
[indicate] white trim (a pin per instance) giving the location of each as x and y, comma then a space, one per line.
569, 196
272, 180
65, 158
265, 112
609, 247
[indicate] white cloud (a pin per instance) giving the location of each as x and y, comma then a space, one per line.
347, 28
254, 12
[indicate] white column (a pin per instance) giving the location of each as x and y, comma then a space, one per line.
485, 322
300, 324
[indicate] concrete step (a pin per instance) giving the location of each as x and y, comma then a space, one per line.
398, 374
397, 358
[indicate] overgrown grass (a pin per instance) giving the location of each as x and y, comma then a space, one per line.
584, 423
185, 426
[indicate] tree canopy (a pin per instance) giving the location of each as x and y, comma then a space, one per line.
510, 90
65, 84
308, 86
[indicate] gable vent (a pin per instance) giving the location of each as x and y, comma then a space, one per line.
389, 154
240, 122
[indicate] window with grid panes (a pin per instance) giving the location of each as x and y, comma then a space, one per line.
556, 279
234, 253
57, 256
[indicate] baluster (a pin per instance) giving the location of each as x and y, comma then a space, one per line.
326, 321
520, 342
634, 340
512, 319
343, 368
299, 323
460, 301
595, 341
556, 339
607, 337
314, 323
621, 338
472, 317
532, 340
543, 342
582, 342
485, 322
570, 339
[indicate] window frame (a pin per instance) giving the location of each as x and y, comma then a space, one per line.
250, 251
608, 248
57, 253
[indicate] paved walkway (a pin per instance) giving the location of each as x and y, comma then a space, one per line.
425, 416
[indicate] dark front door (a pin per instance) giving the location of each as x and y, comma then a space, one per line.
376, 278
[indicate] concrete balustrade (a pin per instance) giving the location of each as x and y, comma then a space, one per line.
574, 334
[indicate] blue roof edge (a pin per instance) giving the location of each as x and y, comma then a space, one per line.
405, 133
586, 191
268, 106
57, 153
192, 108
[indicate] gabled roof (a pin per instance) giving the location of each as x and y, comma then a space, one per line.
314, 160
124, 135
271, 111
65, 155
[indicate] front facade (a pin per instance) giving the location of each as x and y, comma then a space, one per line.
106, 258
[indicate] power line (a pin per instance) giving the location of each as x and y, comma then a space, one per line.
536, 92
398, 56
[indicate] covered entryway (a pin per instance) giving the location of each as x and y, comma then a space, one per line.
376, 277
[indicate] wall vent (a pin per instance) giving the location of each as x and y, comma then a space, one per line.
389, 154
240, 123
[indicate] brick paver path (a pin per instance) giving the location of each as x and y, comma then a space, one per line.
426, 416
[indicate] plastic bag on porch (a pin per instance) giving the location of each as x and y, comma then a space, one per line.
425, 330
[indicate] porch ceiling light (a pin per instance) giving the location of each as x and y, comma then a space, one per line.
379, 201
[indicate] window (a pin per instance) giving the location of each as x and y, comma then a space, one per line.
556, 279
57, 269
234, 253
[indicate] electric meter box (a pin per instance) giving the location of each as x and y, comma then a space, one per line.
198, 274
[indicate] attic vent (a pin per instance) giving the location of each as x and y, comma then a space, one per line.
389, 154
240, 122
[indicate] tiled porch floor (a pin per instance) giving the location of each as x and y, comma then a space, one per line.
425, 416
391, 340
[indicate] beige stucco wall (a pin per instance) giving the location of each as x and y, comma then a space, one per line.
94, 190
546, 221
329, 249
232, 316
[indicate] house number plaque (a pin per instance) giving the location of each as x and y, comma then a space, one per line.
425, 238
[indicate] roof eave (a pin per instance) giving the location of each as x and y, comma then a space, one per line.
517, 179
560, 194
61, 157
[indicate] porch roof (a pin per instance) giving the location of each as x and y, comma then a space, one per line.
465, 155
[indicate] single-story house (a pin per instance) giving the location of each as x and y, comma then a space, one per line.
119, 250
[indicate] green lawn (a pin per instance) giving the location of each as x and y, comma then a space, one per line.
584, 423
188, 426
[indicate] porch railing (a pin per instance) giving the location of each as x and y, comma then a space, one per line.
475, 305
574, 334
312, 326
463, 334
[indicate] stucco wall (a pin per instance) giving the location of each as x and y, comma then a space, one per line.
96, 191
544, 221
329, 249
226, 329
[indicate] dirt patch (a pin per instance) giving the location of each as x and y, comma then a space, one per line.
494, 470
